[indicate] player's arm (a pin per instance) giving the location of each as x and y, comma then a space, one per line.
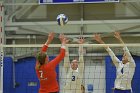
113, 57
49, 40
115, 60
61, 55
128, 54
81, 57
126, 50
45, 46
67, 60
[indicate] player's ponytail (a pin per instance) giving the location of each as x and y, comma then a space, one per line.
41, 56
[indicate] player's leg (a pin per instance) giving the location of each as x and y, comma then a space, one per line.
83, 88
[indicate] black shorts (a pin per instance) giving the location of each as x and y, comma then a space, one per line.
122, 91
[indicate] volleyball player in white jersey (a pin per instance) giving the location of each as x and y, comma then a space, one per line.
74, 72
124, 69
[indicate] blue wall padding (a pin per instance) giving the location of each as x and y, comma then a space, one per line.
111, 75
24, 73
8, 75
136, 78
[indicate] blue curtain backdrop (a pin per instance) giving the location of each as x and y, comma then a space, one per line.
111, 74
25, 76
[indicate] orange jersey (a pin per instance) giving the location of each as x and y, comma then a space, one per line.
47, 73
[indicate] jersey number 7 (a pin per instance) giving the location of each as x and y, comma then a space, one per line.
41, 73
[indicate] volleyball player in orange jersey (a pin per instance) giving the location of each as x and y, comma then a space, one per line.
45, 69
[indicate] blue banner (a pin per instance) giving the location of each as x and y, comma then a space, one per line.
75, 1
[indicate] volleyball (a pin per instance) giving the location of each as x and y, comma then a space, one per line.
62, 19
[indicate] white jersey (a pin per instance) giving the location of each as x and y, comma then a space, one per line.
73, 81
123, 79
74, 78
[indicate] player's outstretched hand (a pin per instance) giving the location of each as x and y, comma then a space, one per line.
50, 38
117, 35
63, 39
97, 37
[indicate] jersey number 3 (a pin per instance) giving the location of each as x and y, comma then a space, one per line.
73, 78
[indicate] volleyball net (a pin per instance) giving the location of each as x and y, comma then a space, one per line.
98, 75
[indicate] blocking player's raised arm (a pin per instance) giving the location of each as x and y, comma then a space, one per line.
115, 60
128, 54
81, 59
49, 40
81, 53
113, 56
66, 60
126, 50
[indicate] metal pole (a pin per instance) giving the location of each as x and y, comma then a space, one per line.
1, 45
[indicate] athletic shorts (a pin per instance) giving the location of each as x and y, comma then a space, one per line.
121, 91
